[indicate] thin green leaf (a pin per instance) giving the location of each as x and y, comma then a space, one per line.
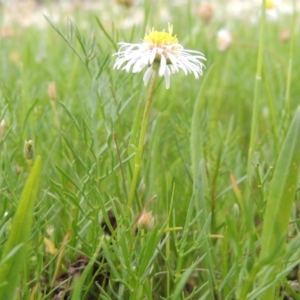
111, 40
197, 119
79, 283
281, 197
19, 235
184, 278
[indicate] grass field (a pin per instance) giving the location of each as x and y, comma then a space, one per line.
215, 211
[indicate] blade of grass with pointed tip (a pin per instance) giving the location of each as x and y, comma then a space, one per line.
184, 278
280, 199
197, 120
199, 174
111, 40
79, 282
19, 236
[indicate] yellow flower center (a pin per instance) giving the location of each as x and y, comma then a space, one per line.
269, 4
161, 38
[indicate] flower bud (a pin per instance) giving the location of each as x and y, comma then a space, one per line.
125, 2
29, 149
285, 35
236, 210
6, 32
205, 12
3, 126
15, 57
224, 39
145, 220
51, 89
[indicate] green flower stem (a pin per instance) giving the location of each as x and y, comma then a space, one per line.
139, 151
258, 80
290, 63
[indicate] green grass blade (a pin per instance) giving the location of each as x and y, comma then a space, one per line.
65, 37
19, 235
79, 283
197, 120
110, 39
184, 278
256, 96
280, 199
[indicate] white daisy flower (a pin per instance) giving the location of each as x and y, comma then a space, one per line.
224, 39
162, 48
271, 11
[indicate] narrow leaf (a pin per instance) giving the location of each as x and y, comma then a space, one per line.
79, 282
280, 199
184, 278
19, 236
197, 120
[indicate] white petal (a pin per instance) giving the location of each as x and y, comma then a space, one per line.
137, 66
147, 75
173, 60
182, 66
163, 65
129, 64
152, 55
167, 77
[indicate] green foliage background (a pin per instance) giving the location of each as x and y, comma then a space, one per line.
86, 139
